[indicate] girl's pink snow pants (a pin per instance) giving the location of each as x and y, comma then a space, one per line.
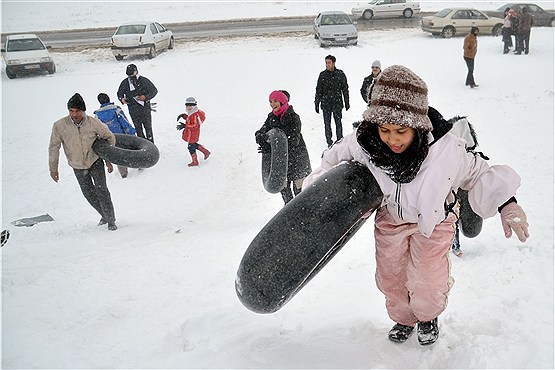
411, 270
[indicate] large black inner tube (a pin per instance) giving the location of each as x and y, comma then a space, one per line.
470, 222
274, 164
304, 236
129, 151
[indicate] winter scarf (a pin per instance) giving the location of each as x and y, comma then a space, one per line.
281, 111
401, 168
193, 110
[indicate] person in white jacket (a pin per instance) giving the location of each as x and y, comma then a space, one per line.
418, 175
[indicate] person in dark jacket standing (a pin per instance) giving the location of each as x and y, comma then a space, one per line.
331, 90
525, 24
284, 117
368, 81
470, 49
76, 133
136, 91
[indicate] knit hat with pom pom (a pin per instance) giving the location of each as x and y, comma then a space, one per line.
399, 97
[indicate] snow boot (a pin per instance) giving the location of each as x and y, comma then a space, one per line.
428, 332
400, 333
195, 160
112, 226
102, 222
204, 151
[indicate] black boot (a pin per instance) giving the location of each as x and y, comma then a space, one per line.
400, 333
428, 332
286, 194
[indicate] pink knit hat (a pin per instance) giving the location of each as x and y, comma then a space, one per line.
399, 97
279, 96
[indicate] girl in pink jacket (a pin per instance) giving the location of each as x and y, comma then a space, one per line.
418, 170
190, 123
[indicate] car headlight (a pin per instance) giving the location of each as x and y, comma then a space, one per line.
45, 59
14, 61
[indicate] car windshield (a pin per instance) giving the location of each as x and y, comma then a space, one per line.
332, 19
443, 13
130, 29
25, 45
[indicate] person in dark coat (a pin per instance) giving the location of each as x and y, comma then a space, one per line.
525, 24
136, 91
331, 90
368, 81
284, 117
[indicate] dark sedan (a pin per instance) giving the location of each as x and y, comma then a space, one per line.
541, 17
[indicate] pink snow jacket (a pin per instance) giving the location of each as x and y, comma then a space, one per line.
446, 168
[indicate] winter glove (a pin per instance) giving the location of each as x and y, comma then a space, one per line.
317, 107
347, 105
181, 126
261, 138
263, 149
514, 219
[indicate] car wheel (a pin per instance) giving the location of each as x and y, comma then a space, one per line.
367, 14
119, 57
10, 75
407, 13
152, 52
448, 32
52, 70
551, 22
170, 46
497, 30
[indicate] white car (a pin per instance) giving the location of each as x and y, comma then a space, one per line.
335, 28
141, 38
458, 21
386, 8
25, 54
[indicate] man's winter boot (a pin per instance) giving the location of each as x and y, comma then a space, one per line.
204, 151
195, 160
400, 333
428, 332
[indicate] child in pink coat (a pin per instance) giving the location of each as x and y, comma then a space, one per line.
418, 169
190, 122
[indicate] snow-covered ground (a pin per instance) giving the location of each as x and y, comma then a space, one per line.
159, 291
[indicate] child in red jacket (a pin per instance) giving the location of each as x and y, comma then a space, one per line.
190, 121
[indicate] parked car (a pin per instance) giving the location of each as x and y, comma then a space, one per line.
386, 8
335, 28
25, 54
141, 38
541, 17
458, 21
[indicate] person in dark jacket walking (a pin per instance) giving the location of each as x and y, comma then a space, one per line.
331, 91
368, 81
525, 24
136, 91
284, 117
114, 117
470, 48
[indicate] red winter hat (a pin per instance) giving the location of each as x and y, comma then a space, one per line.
279, 96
